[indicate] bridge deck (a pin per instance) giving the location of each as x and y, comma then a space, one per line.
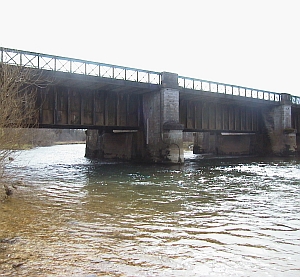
118, 78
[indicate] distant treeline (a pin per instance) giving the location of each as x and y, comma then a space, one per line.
47, 137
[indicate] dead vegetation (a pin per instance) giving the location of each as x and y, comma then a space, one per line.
18, 110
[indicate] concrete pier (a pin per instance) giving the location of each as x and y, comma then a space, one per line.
275, 136
161, 122
278, 122
160, 138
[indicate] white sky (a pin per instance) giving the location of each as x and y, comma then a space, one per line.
254, 43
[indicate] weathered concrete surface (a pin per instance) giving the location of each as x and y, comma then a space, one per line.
230, 144
164, 139
278, 123
160, 138
93, 147
122, 145
117, 146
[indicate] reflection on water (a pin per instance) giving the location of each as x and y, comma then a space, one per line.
72, 216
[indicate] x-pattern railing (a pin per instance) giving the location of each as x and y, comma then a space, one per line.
62, 64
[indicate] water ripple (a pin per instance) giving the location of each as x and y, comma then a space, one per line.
73, 216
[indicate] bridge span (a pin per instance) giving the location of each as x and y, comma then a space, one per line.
136, 114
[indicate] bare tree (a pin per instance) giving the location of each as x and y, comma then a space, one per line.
18, 110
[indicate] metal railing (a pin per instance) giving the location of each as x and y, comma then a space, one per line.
77, 66
63, 64
215, 87
295, 100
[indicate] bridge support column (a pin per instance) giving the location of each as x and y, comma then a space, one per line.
278, 122
225, 144
122, 145
160, 138
163, 132
92, 147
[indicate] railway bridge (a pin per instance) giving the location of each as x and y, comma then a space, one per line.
135, 114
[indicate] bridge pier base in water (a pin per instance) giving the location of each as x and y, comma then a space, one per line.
121, 145
163, 132
278, 122
160, 138
227, 144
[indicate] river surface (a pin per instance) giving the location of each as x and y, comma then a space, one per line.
71, 216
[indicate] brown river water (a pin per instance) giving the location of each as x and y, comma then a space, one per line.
71, 216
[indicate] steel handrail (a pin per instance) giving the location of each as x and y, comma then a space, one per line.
77, 66
104, 70
228, 89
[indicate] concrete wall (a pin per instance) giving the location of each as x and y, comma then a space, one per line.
93, 147
117, 145
229, 144
278, 123
163, 132
122, 145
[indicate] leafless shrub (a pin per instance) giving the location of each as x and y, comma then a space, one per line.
18, 110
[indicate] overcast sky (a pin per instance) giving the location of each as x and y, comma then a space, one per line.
253, 43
